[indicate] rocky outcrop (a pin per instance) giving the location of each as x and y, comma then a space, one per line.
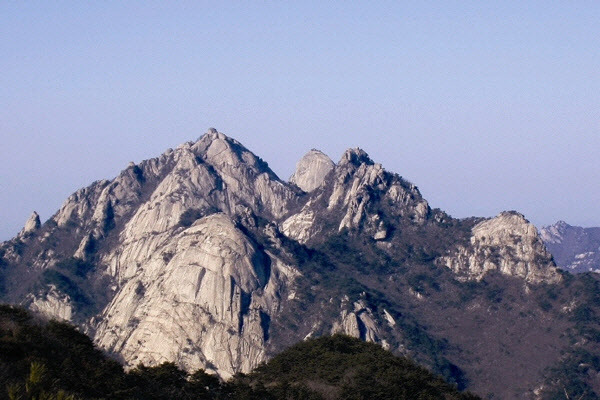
32, 224
366, 179
555, 234
191, 287
311, 170
356, 195
507, 243
171, 235
53, 304
574, 248
357, 321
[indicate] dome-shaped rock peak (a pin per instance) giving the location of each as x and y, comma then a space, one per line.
311, 170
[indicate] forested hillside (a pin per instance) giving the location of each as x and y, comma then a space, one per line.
50, 360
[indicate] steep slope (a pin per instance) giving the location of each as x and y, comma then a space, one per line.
164, 237
574, 248
207, 275
204, 257
202, 298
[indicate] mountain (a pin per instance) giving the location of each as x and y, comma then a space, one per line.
574, 248
205, 258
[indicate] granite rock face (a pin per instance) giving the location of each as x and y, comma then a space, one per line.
54, 305
187, 283
197, 294
311, 170
359, 321
201, 299
507, 243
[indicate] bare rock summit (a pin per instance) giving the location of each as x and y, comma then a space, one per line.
32, 224
311, 170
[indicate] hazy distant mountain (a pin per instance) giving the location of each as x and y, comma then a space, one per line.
574, 248
204, 257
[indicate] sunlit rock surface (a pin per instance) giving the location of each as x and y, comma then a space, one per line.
53, 304
311, 170
507, 243
200, 296
352, 198
32, 224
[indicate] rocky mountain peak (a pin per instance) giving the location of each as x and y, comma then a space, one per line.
224, 152
355, 156
511, 219
357, 195
32, 224
506, 224
311, 170
213, 134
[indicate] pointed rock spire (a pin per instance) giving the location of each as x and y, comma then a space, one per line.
311, 170
32, 224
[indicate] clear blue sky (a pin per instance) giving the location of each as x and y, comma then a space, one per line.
484, 107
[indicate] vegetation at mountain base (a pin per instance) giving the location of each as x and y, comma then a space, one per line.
51, 357
50, 360
348, 266
343, 367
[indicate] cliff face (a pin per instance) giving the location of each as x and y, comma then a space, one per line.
203, 256
201, 296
